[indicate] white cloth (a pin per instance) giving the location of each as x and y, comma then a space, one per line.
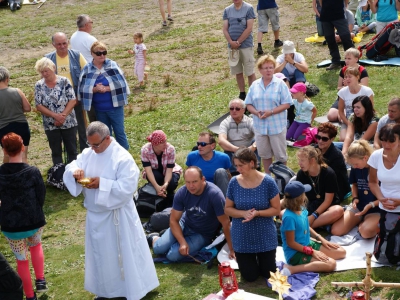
118, 262
348, 97
82, 41
389, 178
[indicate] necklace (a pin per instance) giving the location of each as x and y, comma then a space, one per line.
391, 161
315, 184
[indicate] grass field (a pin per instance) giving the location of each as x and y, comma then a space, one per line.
189, 87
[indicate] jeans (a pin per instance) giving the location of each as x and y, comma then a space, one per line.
343, 31
338, 145
173, 184
298, 76
320, 30
221, 180
114, 119
167, 243
66, 136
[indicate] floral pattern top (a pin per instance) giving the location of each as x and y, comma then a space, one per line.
56, 99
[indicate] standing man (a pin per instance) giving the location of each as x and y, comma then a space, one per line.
237, 28
118, 262
333, 18
393, 116
69, 63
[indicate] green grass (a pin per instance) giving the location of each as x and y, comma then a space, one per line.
192, 54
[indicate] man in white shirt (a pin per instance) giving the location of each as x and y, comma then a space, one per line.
82, 40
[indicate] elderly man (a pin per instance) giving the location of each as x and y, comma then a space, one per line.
203, 204
69, 63
393, 116
81, 40
236, 130
118, 262
214, 164
237, 28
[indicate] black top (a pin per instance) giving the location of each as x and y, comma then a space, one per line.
22, 194
334, 158
324, 183
365, 196
332, 10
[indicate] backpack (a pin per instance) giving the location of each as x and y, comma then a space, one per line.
158, 221
312, 89
387, 243
55, 176
282, 173
379, 44
147, 201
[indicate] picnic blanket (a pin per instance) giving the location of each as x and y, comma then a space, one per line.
392, 61
26, 2
319, 39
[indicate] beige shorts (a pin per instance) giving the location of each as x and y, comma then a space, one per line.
246, 62
269, 146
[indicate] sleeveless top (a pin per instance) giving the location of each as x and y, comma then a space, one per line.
11, 107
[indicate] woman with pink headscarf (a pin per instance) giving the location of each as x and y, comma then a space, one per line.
160, 169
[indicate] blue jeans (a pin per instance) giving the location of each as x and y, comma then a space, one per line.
167, 244
338, 145
298, 76
114, 119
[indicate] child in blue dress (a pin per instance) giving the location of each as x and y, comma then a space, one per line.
302, 253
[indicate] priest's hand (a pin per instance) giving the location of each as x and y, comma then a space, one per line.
94, 183
184, 249
79, 174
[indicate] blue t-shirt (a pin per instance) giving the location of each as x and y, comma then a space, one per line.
219, 160
258, 235
299, 223
303, 111
201, 212
360, 177
237, 20
102, 101
386, 11
266, 4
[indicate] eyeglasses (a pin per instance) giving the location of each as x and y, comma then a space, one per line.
96, 146
235, 108
91, 22
100, 53
203, 144
323, 138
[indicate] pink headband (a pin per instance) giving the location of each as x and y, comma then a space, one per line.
157, 137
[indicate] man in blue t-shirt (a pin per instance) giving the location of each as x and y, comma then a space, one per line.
196, 217
237, 28
214, 164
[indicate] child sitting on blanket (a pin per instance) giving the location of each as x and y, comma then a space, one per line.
365, 18
305, 111
302, 253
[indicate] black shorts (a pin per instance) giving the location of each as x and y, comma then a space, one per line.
21, 129
336, 103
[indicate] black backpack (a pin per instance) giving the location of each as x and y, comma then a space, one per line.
158, 221
387, 243
282, 173
147, 201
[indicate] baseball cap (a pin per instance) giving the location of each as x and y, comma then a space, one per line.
280, 75
233, 57
295, 188
298, 87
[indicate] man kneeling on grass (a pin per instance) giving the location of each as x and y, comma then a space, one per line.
196, 217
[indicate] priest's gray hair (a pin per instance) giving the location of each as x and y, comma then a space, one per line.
98, 127
4, 74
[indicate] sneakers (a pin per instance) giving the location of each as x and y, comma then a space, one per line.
333, 66
13, 6
260, 50
150, 238
32, 298
170, 18
278, 44
164, 23
41, 286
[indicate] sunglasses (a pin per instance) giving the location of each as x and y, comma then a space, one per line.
235, 108
203, 144
323, 138
100, 53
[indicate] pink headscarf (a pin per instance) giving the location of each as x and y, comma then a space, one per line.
157, 137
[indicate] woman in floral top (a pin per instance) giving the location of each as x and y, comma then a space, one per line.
55, 99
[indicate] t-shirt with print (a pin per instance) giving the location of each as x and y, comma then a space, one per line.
303, 111
299, 224
348, 97
201, 211
63, 66
364, 194
258, 235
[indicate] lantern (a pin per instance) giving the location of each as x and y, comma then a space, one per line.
227, 278
358, 295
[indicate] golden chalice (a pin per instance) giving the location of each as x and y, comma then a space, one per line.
84, 181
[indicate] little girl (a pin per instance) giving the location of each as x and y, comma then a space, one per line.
365, 18
140, 62
305, 111
303, 254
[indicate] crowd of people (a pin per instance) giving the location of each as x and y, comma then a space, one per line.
223, 190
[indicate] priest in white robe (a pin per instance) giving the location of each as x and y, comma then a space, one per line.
118, 262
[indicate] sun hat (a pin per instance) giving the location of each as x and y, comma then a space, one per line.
295, 188
233, 57
280, 75
298, 87
288, 47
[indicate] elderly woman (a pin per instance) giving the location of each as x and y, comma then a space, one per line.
13, 104
103, 85
267, 100
160, 169
55, 99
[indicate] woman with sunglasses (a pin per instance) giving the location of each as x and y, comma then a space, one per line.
323, 200
333, 157
160, 169
362, 123
103, 85
55, 99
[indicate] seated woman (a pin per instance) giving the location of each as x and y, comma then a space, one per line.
333, 157
362, 123
160, 169
348, 94
364, 210
302, 253
323, 200
252, 200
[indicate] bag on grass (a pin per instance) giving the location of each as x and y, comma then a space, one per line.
55, 176
312, 89
282, 173
147, 201
387, 243
307, 137
158, 221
